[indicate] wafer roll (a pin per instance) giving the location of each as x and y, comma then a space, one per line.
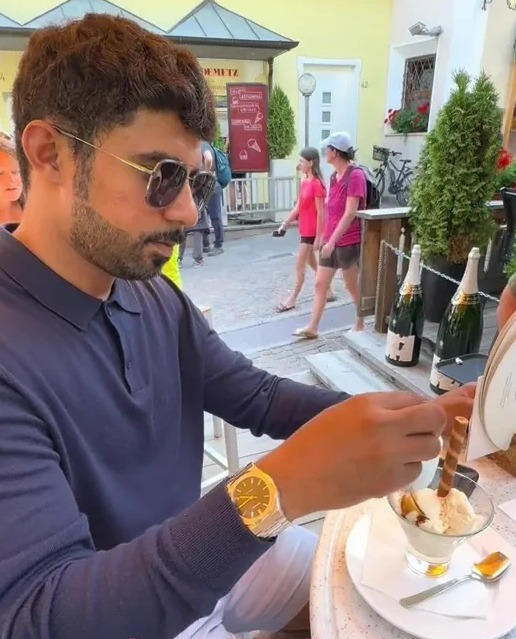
453, 452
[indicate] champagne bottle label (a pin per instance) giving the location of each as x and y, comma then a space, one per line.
438, 380
406, 318
400, 348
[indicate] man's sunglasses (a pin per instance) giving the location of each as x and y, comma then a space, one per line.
166, 179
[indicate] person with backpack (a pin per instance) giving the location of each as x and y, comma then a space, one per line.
215, 160
342, 229
309, 213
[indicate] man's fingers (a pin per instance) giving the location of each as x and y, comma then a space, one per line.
427, 417
397, 399
417, 448
470, 389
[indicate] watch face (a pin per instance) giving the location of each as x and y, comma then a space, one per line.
251, 496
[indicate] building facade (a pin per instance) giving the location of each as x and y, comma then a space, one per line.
343, 43
474, 35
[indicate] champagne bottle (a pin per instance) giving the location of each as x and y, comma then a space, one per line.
407, 317
460, 330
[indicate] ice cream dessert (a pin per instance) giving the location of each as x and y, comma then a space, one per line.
438, 519
450, 515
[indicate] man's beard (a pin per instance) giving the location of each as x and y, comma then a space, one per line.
111, 249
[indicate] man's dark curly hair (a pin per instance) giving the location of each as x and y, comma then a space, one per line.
93, 74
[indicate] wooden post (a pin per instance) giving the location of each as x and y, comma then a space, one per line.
369, 255
390, 232
377, 224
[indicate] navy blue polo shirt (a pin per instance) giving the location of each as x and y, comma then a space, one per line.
102, 532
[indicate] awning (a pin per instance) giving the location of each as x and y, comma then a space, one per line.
210, 30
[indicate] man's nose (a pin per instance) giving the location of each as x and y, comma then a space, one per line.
183, 209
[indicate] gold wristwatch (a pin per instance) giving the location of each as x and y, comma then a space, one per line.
256, 498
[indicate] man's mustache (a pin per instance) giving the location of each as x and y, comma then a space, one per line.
166, 237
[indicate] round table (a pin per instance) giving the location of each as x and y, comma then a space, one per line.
336, 608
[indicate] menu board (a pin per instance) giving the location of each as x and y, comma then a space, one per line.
247, 121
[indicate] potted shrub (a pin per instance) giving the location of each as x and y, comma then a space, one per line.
454, 180
281, 133
218, 142
409, 120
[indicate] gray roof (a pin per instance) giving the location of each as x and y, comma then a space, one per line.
210, 20
73, 9
207, 22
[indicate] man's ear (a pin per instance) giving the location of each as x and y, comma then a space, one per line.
44, 148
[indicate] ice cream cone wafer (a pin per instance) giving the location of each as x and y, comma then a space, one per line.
453, 452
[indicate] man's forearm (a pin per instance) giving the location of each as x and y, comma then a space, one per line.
293, 404
248, 397
154, 586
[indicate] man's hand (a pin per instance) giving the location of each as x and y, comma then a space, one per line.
367, 446
457, 403
327, 250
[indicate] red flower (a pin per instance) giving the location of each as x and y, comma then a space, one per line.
423, 108
504, 159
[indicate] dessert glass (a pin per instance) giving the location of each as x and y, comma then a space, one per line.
429, 553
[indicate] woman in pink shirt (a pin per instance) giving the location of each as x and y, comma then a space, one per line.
342, 230
309, 211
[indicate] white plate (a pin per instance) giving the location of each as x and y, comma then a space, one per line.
426, 625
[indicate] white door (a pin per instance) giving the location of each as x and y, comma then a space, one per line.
332, 106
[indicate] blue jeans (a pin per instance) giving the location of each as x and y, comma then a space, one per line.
214, 209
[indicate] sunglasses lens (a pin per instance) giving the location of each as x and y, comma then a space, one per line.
203, 185
165, 183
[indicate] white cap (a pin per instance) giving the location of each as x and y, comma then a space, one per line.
340, 141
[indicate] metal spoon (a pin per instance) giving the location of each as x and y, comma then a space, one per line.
489, 570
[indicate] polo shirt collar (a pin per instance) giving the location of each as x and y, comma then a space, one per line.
54, 292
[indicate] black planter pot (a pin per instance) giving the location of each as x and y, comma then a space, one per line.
437, 291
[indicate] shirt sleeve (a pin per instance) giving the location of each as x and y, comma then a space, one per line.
357, 186
54, 584
319, 189
248, 397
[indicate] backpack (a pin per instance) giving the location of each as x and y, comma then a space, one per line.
222, 167
373, 194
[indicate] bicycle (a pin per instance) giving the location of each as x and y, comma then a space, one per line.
399, 176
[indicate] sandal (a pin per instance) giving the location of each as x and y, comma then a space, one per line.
303, 333
283, 308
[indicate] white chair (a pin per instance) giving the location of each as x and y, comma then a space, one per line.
229, 463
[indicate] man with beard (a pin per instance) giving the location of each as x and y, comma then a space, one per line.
106, 369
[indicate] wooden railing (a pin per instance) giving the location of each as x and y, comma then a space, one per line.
378, 285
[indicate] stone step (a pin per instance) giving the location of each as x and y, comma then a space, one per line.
343, 371
305, 377
369, 346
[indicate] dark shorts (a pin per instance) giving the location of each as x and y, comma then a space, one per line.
343, 257
307, 239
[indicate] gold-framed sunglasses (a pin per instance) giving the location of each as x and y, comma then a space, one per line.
166, 179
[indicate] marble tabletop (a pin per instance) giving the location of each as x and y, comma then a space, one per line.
337, 609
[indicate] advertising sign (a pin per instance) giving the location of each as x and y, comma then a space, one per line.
247, 122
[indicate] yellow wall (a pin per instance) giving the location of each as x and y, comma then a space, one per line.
330, 29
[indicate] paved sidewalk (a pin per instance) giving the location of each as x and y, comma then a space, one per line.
290, 359
245, 283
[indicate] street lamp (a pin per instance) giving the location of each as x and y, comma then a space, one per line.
306, 85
